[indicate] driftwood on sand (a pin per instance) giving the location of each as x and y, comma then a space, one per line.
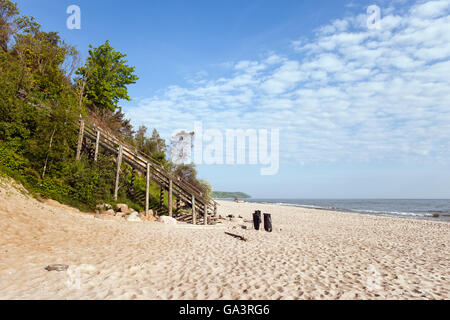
57, 267
237, 236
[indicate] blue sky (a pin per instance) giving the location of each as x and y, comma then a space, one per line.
362, 113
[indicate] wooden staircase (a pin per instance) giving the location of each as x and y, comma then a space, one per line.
201, 207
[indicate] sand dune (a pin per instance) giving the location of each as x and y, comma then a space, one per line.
310, 255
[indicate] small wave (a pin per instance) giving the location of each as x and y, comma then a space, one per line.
393, 213
438, 211
417, 214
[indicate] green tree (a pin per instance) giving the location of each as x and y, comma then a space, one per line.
154, 147
158, 145
11, 23
42, 55
141, 140
186, 172
105, 76
8, 13
206, 188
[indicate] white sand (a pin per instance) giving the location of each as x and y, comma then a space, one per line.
315, 255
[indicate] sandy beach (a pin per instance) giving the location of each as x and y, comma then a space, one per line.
310, 255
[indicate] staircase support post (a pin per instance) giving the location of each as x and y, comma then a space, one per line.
206, 213
161, 198
119, 163
215, 209
147, 191
80, 139
97, 141
170, 198
133, 178
178, 205
194, 218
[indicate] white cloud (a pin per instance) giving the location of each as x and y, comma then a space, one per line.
352, 94
284, 78
431, 9
336, 26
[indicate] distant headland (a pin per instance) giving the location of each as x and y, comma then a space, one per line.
229, 195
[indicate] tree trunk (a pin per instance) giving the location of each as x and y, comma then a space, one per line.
48, 152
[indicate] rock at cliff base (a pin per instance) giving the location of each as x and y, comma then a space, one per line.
109, 212
167, 220
134, 217
123, 208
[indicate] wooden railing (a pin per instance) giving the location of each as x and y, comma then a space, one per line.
175, 186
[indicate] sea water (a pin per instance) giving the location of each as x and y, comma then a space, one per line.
403, 208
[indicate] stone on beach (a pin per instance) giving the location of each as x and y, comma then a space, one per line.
110, 212
167, 220
149, 217
103, 207
120, 214
134, 217
124, 208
